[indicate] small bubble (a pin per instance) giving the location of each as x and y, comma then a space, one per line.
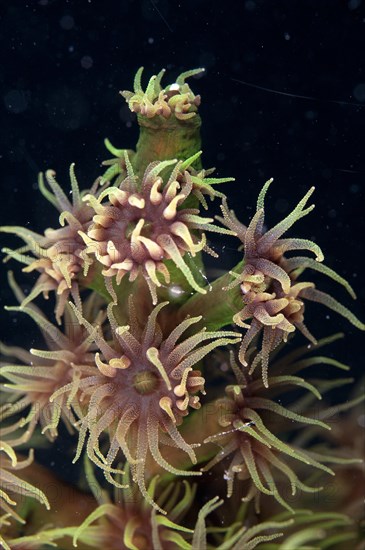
71, 49
176, 290
332, 213
151, 40
250, 5
86, 62
287, 36
354, 4
67, 22
359, 92
16, 101
361, 420
311, 115
224, 367
354, 188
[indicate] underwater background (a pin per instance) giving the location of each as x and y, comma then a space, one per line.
283, 96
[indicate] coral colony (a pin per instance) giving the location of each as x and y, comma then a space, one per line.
185, 409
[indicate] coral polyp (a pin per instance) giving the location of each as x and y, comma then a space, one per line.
271, 295
30, 387
59, 254
177, 98
128, 522
141, 388
144, 224
255, 451
12, 486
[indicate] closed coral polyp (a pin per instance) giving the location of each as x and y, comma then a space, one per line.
177, 98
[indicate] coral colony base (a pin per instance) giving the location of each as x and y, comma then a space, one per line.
192, 424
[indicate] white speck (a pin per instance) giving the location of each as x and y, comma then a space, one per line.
151, 40
176, 290
286, 36
174, 87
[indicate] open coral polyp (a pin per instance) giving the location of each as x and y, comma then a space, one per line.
141, 388
13, 487
271, 295
144, 224
31, 386
254, 449
58, 255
